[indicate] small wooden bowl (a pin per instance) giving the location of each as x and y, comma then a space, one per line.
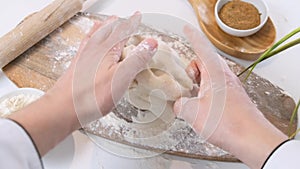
248, 48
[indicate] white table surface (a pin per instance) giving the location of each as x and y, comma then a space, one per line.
283, 70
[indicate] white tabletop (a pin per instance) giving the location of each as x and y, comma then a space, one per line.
283, 70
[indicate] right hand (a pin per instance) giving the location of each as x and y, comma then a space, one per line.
223, 113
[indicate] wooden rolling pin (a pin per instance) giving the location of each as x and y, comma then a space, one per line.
37, 26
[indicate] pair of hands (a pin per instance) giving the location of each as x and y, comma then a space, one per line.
222, 113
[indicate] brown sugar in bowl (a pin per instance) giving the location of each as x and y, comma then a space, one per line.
241, 18
240, 15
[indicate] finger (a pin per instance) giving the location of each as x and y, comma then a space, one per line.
200, 43
138, 58
126, 27
90, 47
97, 33
213, 80
193, 72
100, 35
211, 66
96, 26
118, 30
205, 83
115, 32
114, 55
134, 63
207, 55
178, 105
187, 109
197, 71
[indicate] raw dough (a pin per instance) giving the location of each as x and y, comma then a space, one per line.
156, 88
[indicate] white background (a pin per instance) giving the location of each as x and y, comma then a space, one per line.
283, 70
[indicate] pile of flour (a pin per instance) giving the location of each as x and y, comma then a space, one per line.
15, 103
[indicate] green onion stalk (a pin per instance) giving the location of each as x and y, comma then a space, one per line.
275, 49
292, 135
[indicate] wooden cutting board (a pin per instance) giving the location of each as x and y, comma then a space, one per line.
43, 64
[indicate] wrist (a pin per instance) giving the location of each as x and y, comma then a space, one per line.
257, 142
62, 106
48, 121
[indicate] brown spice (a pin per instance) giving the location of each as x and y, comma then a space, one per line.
240, 15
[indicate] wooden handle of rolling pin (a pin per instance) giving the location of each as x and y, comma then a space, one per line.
35, 27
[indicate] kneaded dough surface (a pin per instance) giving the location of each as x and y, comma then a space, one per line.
156, 88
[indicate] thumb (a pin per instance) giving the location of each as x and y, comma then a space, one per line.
134, 63
187, 109
138, 58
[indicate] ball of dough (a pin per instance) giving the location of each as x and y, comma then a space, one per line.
163, 82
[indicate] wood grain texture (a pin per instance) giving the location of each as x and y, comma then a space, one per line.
35, 27
40, 66
248, 48
24, 76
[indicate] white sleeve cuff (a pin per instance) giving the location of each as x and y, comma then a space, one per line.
286, 156
17, 149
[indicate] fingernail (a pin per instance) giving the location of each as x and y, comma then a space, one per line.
137, 13
150, 45
191, 73
111, 19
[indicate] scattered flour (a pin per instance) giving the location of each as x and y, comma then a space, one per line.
15, 103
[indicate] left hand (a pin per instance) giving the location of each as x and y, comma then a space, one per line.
97, 79
90, 88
